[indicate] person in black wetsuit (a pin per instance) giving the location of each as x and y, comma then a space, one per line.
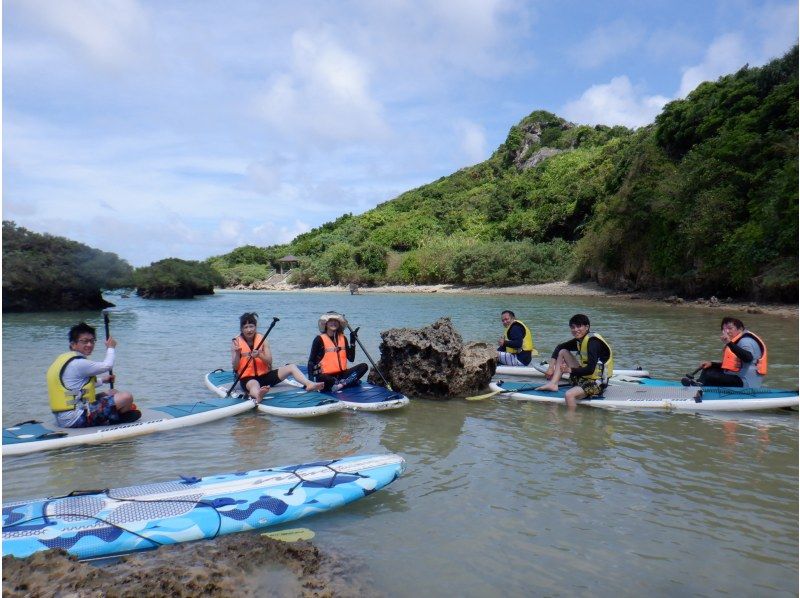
330, 352
587, 373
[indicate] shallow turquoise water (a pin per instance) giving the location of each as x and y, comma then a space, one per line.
500, 497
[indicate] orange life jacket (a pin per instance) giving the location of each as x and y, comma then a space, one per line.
256, 367
732, 363
334, 360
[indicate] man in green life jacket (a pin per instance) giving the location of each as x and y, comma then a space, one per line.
72, 381
589, 372
516, 345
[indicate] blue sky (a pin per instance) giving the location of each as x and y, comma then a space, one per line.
158, 128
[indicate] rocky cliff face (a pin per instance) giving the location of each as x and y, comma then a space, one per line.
433, 362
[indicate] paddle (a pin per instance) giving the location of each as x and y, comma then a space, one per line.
290, 535
250, 359
690, 377
375, 367
108, 335
489, 395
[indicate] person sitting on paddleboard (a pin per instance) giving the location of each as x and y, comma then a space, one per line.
744, 359
330, 353
589, 372
252, 361
72, 381
516, 345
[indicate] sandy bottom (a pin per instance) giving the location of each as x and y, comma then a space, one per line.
561, 288
239, 565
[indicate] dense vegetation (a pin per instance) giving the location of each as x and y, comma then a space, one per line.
43, 273
173, 278
706, 200
702, 201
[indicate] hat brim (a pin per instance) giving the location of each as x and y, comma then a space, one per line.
325, 318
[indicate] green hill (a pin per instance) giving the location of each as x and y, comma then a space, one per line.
703, 201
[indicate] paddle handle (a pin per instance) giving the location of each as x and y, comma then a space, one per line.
250, 359
375, 367
108, 335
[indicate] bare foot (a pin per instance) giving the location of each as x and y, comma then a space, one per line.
315, 386
262, 392
547, 387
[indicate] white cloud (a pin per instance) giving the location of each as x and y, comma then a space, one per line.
607, 42
326, 94
726, 54
472, 141
615, 103
110, 33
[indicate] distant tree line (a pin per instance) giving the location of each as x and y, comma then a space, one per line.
42, 272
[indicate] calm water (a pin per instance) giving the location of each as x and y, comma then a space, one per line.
500, 497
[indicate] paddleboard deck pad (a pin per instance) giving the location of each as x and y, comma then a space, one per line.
649, 395
538, 370
33, 436
103, 523
364, 396
284, 400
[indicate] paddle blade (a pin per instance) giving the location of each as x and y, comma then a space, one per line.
291, 535
488, 395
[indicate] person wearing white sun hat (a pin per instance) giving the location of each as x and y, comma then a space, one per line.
330, 352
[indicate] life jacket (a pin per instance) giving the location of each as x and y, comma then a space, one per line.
255, 367
334, 360
527, 341
732, 363
603, 371
61, 397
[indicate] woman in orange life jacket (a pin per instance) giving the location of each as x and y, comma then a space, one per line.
744, 359
330, 353
257, 375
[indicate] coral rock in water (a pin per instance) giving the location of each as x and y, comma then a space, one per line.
433, 362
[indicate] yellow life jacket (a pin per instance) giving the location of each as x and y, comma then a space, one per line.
602, 370
527, 341
334, 360
732, 363
62, 398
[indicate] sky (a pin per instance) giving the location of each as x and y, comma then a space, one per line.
165, 128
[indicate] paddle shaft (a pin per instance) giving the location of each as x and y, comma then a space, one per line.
501, 391
108, 335
250, 359
375, 367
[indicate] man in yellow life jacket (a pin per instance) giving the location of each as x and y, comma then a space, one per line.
72, 385
589, 372
516, 344
251, 359
744, 359
330, 352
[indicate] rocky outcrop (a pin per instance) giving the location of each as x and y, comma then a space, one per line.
433, 362
51, 299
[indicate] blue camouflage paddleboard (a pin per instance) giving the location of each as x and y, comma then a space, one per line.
33, 436
283, 399
103, 523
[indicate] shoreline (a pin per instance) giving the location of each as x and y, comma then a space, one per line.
550, 289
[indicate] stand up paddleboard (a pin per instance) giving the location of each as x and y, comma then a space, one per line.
33, 436
646, 396
283, 400
537, 370
363, 396
104, 523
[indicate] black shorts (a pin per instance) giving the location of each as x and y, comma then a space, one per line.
268, 379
